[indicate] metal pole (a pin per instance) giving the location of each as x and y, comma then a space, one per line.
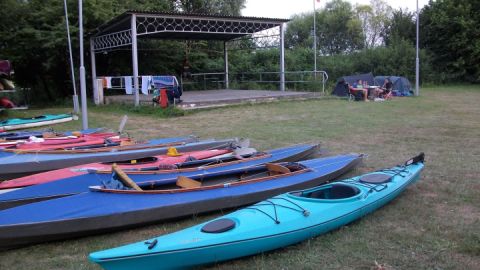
282, 58
314, 39
83, 90
135, 58
225, 58
75, 96
94, 69
417, 61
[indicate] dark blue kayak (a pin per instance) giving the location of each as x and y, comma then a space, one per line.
80, 183
105, 210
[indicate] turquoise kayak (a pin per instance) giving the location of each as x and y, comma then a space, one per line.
274, 223
29, 122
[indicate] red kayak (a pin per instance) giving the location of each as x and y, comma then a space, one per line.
69, 142
55, 140
148, 162
4, 144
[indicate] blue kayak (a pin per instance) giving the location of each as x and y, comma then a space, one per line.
212, 167
36, 121
13, 164
105, 210
274, 223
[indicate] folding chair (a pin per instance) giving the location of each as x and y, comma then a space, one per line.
352, 93
388, 95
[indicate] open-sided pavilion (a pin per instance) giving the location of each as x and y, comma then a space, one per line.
125, 29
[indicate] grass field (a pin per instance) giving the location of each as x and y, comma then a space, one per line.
434, 224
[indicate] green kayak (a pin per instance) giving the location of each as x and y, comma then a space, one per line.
36, 121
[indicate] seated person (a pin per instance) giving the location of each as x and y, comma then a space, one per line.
359, 87
358, 84
385, 89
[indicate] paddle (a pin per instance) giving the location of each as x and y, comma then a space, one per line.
120, 175
122, 124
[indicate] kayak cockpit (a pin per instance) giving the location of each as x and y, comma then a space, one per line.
138, 161
335, 191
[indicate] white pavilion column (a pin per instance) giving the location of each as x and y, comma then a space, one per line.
94, 70
225, 58
135, 59
282, 58
83, 88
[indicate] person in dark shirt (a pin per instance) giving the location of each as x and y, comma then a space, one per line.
387, 85
385, 89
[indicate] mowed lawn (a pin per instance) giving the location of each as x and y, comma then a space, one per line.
434, 224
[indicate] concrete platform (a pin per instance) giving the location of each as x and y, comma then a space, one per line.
219, 98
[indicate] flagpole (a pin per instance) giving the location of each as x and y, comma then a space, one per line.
75, 96
417, 62
83, 90
314, 40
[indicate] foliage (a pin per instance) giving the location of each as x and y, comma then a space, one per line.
400, 26
34, 39
450, 30
374, 18
226, 7
337, 30
397, 59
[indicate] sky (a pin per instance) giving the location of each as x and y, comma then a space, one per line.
284, 9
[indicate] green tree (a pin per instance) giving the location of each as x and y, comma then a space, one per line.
338, 31
401, 26
224, 7
374, 18
450, 30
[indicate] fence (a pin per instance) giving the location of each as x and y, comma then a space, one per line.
294, 81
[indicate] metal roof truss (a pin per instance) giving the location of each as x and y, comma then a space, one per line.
181, 28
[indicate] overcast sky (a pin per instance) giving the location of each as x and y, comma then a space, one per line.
286, 8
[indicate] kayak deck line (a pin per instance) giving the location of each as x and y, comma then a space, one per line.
300, 209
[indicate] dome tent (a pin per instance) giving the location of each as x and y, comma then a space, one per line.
341, 88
